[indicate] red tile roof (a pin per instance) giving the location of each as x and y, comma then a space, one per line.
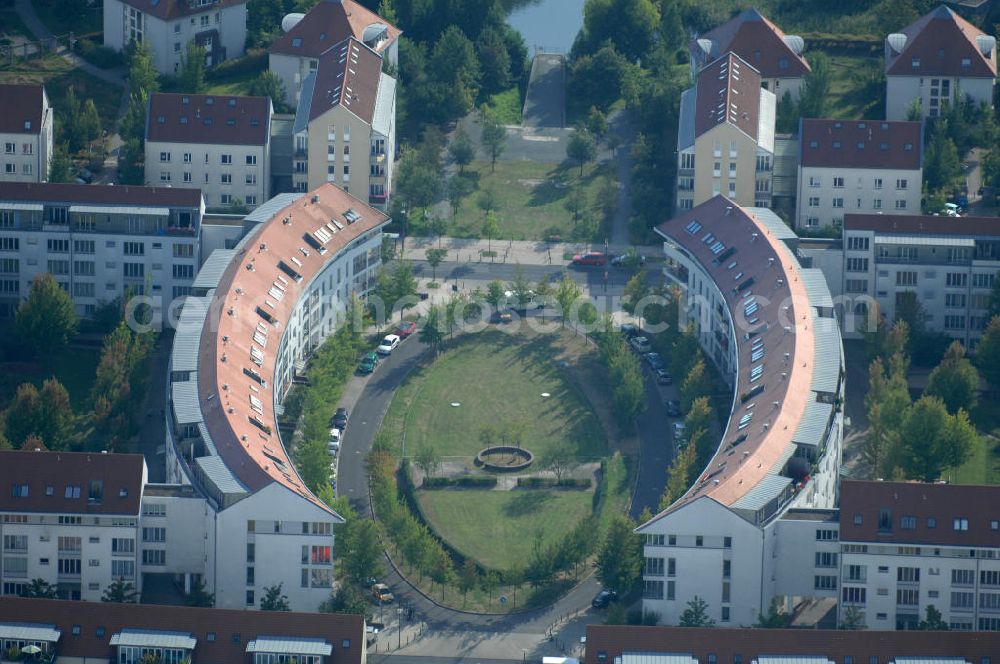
943, 503
59, 482
328, 23
22, 108
727, 90
923, 224
758, 41
606, 642
168, 10
936, 44
258, 458
761, 257
215, 119
348, 75
231, 629
861, 144
45, 192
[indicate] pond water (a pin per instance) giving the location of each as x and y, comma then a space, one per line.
550, 25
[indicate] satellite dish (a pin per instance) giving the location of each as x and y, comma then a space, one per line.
986, 44
897, 41
706, 46
795, 43
291, 20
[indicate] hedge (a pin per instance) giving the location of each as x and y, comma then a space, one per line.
98, 55
467, 481
544, 482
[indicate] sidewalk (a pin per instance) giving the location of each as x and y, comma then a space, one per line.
524, 252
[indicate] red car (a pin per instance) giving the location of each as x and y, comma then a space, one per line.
590, 258
405, 329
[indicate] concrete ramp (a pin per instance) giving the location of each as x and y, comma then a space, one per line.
545, 100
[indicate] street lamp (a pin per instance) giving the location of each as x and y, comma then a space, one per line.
399, 627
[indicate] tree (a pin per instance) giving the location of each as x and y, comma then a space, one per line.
493, 139
786, 116
490, 229
427, 459
699, 417
942, 164
619, 560
581, 147
142, 74
40, 588
568, 293
199, 596
679, 477
696, 614
432, 333
887, 401
56, 415
360, 549
775, 618
419, 178
90, 121
696, 384
347, 599
994, 301
635, 290
487, 200
131, 168
597, 123
47, 320
192, 75
933, 621
931, 440
815, 91
520, 287
560, 459
274, 599
468, 578
955, 381
455, 73
598, 77
490, 582
267, 84
435, 257
853, 619
70, 117
60, 170
121, 592
25, 416
495, 294
458, 188
494, 60
461, 150
404, 287
988, 352
630, 25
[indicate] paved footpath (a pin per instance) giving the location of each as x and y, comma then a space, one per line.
507, 251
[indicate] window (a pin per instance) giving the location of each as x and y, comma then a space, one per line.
150, 534
251, 160
954, 300
165, 157
814, 201
69, 567
908, 575
671, 587
826, 559
58, 267
901, 184
814, 181
226, 178
906, 278
957, 279
687, 160
857, 243
885, 520
15, 542
654, 567
908, 523
154, 509
133, 270
226, 159
671, 567
853, 595
187, 157
699, 540
954, 323
58, 246
857, 264
857, 286
900, 204
652, 589
825, 582
122, 545
961, 524
962, 600
838, 183
134, 248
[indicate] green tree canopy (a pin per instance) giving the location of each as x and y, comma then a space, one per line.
955, 381
619, 559
192, 75
199, 596
988, 352
461, 150
120, 592
581, 147
493, 138
60, 168
435, 257
456, 72
267, 84
47, 320
494, 60
274, 599
142, 74
696, 614
630, 25
696, 384
931, 440
815, 92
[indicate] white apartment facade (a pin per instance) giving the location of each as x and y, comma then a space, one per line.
218, 145
71, 519
167, 26
858, 167
768, 326
949, 263
937, 58
295, 55
347, 138
25, 133
99, 242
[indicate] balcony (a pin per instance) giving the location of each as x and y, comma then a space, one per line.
377, 199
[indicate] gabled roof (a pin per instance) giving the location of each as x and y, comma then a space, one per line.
758, 41
727, 90
208, 119
937, 44
348, 76
60, 482
23, 108
330, 22
923, 224
861, 144
976, 508
169, 10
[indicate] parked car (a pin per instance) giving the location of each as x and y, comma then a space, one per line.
626, 260
381, 593
679, 431
603, 598
388, 344
339, 419
655, 361
640, 344
673, 408
590, 258
405, 329
335, 435
629, 330
368, 363
662, 377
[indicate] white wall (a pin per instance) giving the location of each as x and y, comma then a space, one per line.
205, 170
292, 70
902, 90
860, 193
189, 522
790, 561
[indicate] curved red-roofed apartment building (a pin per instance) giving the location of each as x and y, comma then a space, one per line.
768, 325
258, 311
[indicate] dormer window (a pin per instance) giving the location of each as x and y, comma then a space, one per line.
185, 100
966, 62
813, 144
836, 145
209, 101
915, 62
908, 147
296, 42
783, 63
231, 101
161, 119
27, 125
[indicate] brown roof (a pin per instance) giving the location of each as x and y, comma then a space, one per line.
348, 75
861, 144
51, 476
923, 224
728, 477
231, 629
23, 107
836, 645
938, 42
217, 119
171, 9
727, 90
258, 458
979, 506
45, 192
328, 23
758, 41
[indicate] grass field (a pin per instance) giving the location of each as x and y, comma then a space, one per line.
857, 91
983, 467
532, 200
58, 75
498, 527
497, 379
506, 106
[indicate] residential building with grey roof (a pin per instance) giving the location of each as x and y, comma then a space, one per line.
25, 133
